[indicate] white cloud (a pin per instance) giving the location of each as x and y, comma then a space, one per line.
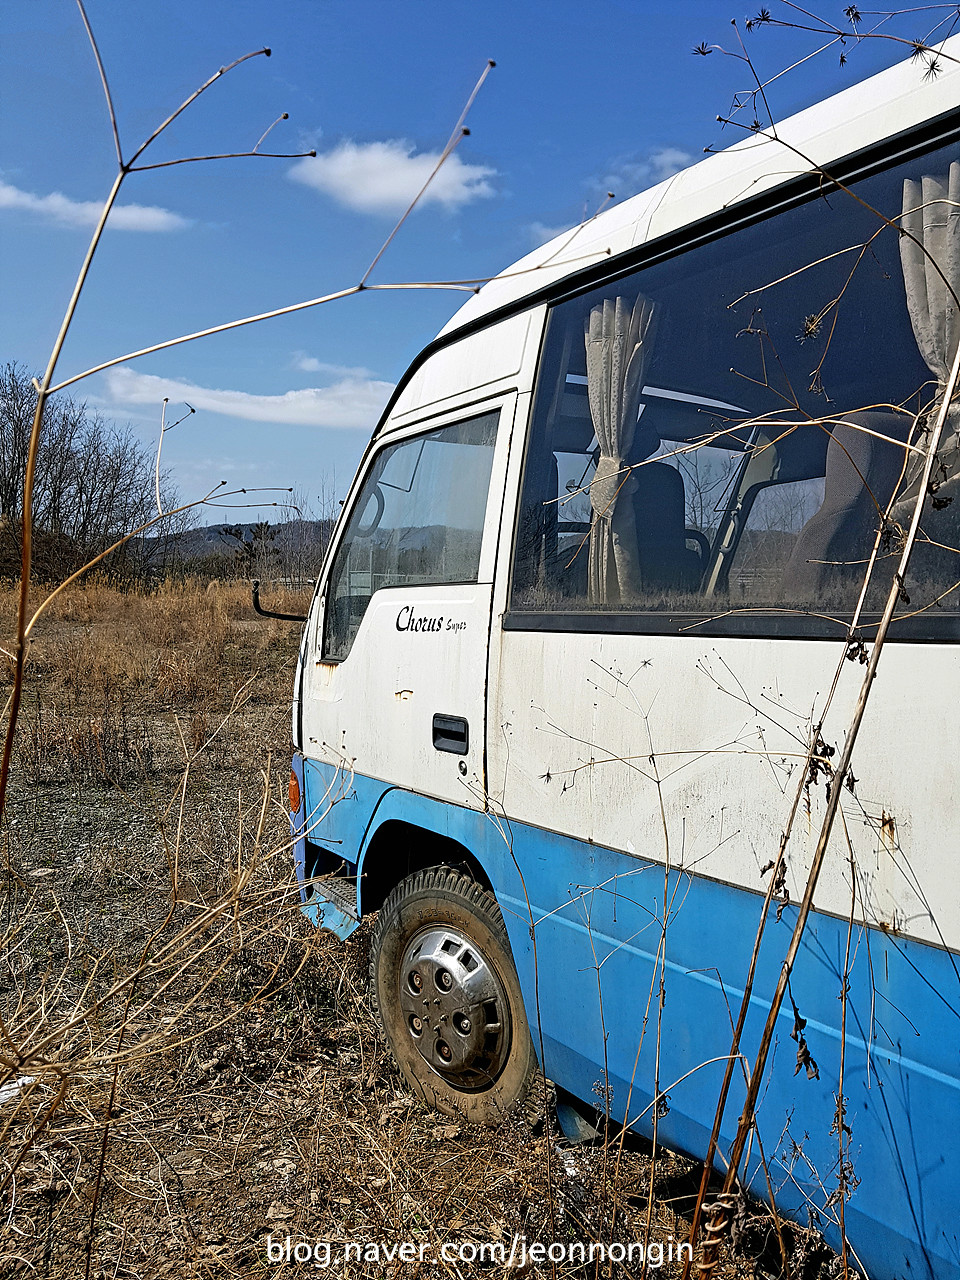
540, 233
310, 364
65, 212
383, 177
628, 176
668, 161
352, 403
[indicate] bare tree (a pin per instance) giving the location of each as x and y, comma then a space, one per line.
94, 482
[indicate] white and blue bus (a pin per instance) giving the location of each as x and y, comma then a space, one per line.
586, 648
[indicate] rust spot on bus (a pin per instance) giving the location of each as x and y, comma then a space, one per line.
888, 831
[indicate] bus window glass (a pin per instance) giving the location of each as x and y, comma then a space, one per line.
733, 432
417, 520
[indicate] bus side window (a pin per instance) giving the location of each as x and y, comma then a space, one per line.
702, 447
418, 519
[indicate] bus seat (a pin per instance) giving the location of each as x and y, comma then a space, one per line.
659, 503
861, 473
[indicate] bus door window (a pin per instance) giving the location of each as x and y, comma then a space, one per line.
418, 519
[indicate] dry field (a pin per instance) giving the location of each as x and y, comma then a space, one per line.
189, 1075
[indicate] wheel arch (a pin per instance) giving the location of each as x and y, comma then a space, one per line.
397, 848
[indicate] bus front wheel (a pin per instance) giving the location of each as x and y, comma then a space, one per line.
446, 990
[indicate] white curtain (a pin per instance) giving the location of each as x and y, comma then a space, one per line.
931, 215
618, 340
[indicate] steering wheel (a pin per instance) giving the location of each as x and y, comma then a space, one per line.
365, 530
694, 535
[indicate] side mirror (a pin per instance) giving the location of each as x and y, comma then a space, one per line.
266, 613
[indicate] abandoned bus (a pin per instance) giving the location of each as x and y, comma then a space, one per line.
587, 647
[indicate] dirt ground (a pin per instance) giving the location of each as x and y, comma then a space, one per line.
191, 1083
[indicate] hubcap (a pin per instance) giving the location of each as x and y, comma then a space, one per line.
455, 1007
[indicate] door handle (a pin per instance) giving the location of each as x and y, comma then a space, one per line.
451, 733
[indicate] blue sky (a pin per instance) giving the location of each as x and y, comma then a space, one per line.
585, 98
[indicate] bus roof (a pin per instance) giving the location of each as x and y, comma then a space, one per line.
892, 102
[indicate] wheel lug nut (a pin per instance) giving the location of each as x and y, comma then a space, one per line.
416, 982
444, 981
462, 1023
444, 1051
417, 1024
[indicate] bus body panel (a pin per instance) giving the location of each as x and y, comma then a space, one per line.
614, 738
584, 926
497, 358
595, 990
419, 652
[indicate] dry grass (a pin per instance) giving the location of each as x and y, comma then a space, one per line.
202, 1076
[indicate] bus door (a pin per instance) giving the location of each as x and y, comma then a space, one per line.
394, 673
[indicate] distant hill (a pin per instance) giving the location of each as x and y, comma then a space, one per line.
290, 549
212, 539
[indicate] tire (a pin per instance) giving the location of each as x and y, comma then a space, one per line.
444, 985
